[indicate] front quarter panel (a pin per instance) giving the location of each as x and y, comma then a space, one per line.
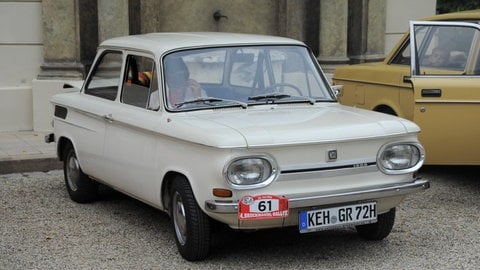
375, 87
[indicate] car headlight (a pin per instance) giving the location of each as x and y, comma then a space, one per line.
399, 158
250, 172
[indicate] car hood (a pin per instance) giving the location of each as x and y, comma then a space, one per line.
290, 125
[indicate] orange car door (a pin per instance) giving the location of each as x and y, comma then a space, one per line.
447, 97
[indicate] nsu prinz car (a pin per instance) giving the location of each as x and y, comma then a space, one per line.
235, 129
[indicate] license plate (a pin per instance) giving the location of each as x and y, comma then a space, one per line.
262, 207
341, 216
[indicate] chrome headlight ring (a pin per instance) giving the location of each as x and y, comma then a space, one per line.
250, 172
400, 157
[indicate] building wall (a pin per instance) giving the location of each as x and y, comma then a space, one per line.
21, 54
244, 16
399, 13
34, 32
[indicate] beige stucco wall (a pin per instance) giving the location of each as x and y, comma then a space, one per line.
244, 16
27, 107
398, 15
21, 54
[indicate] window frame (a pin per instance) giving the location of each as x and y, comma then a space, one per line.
97, 91
139, 57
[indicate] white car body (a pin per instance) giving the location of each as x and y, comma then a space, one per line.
140, 151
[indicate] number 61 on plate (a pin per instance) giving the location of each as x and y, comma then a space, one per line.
262, 207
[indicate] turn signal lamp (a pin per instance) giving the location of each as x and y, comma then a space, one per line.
220, 192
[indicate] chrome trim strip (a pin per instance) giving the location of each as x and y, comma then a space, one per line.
332, 197
453, 101
326, 172
326, 165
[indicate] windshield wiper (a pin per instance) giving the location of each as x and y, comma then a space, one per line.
309, 99
208, 100
269, 96
280, 96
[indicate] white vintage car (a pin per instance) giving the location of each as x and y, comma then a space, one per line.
237, 129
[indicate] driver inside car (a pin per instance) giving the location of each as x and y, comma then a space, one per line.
180, 87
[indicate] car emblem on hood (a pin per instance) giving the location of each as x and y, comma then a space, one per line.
332, 155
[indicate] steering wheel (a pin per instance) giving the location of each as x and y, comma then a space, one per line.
277, 85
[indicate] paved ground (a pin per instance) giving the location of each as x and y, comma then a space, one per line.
41, 228
26, 151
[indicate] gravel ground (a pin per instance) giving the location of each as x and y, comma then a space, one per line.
41, 228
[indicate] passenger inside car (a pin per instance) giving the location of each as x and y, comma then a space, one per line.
137, 85
438, 58
458, 59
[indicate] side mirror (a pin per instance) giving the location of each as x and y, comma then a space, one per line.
337, 90
72, 86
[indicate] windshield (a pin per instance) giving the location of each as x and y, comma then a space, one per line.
242, 76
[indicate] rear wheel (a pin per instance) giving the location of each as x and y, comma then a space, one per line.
379, 230
80, 187
191, 226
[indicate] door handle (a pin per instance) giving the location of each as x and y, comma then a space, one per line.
431, 92
108, 117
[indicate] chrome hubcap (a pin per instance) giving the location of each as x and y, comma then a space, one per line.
179, 219
73, 172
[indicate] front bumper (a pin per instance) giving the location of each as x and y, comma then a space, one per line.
309, 200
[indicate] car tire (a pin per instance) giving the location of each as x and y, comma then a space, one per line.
80, 187
380, 229
190, 225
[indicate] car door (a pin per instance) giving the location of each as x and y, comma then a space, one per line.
447, 91
97, 99
131, 141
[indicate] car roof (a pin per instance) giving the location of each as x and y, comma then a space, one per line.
468, 15
462, 16
159, 43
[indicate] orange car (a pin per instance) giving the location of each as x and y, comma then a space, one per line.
432, 76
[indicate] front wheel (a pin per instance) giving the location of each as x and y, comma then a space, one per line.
191, 226
80, 187
379, 230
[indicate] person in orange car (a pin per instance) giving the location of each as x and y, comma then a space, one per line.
438, 58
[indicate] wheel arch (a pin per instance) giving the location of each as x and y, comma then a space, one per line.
61, 146
167, 186
383, 108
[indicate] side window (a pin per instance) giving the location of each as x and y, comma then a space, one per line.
403, 55
105, 78
444, 50
140, 86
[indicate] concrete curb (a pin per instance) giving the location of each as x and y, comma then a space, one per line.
27, 151
30, 165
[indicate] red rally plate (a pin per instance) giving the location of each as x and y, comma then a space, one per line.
262, 207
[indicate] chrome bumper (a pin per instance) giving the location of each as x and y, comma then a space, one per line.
332, 198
